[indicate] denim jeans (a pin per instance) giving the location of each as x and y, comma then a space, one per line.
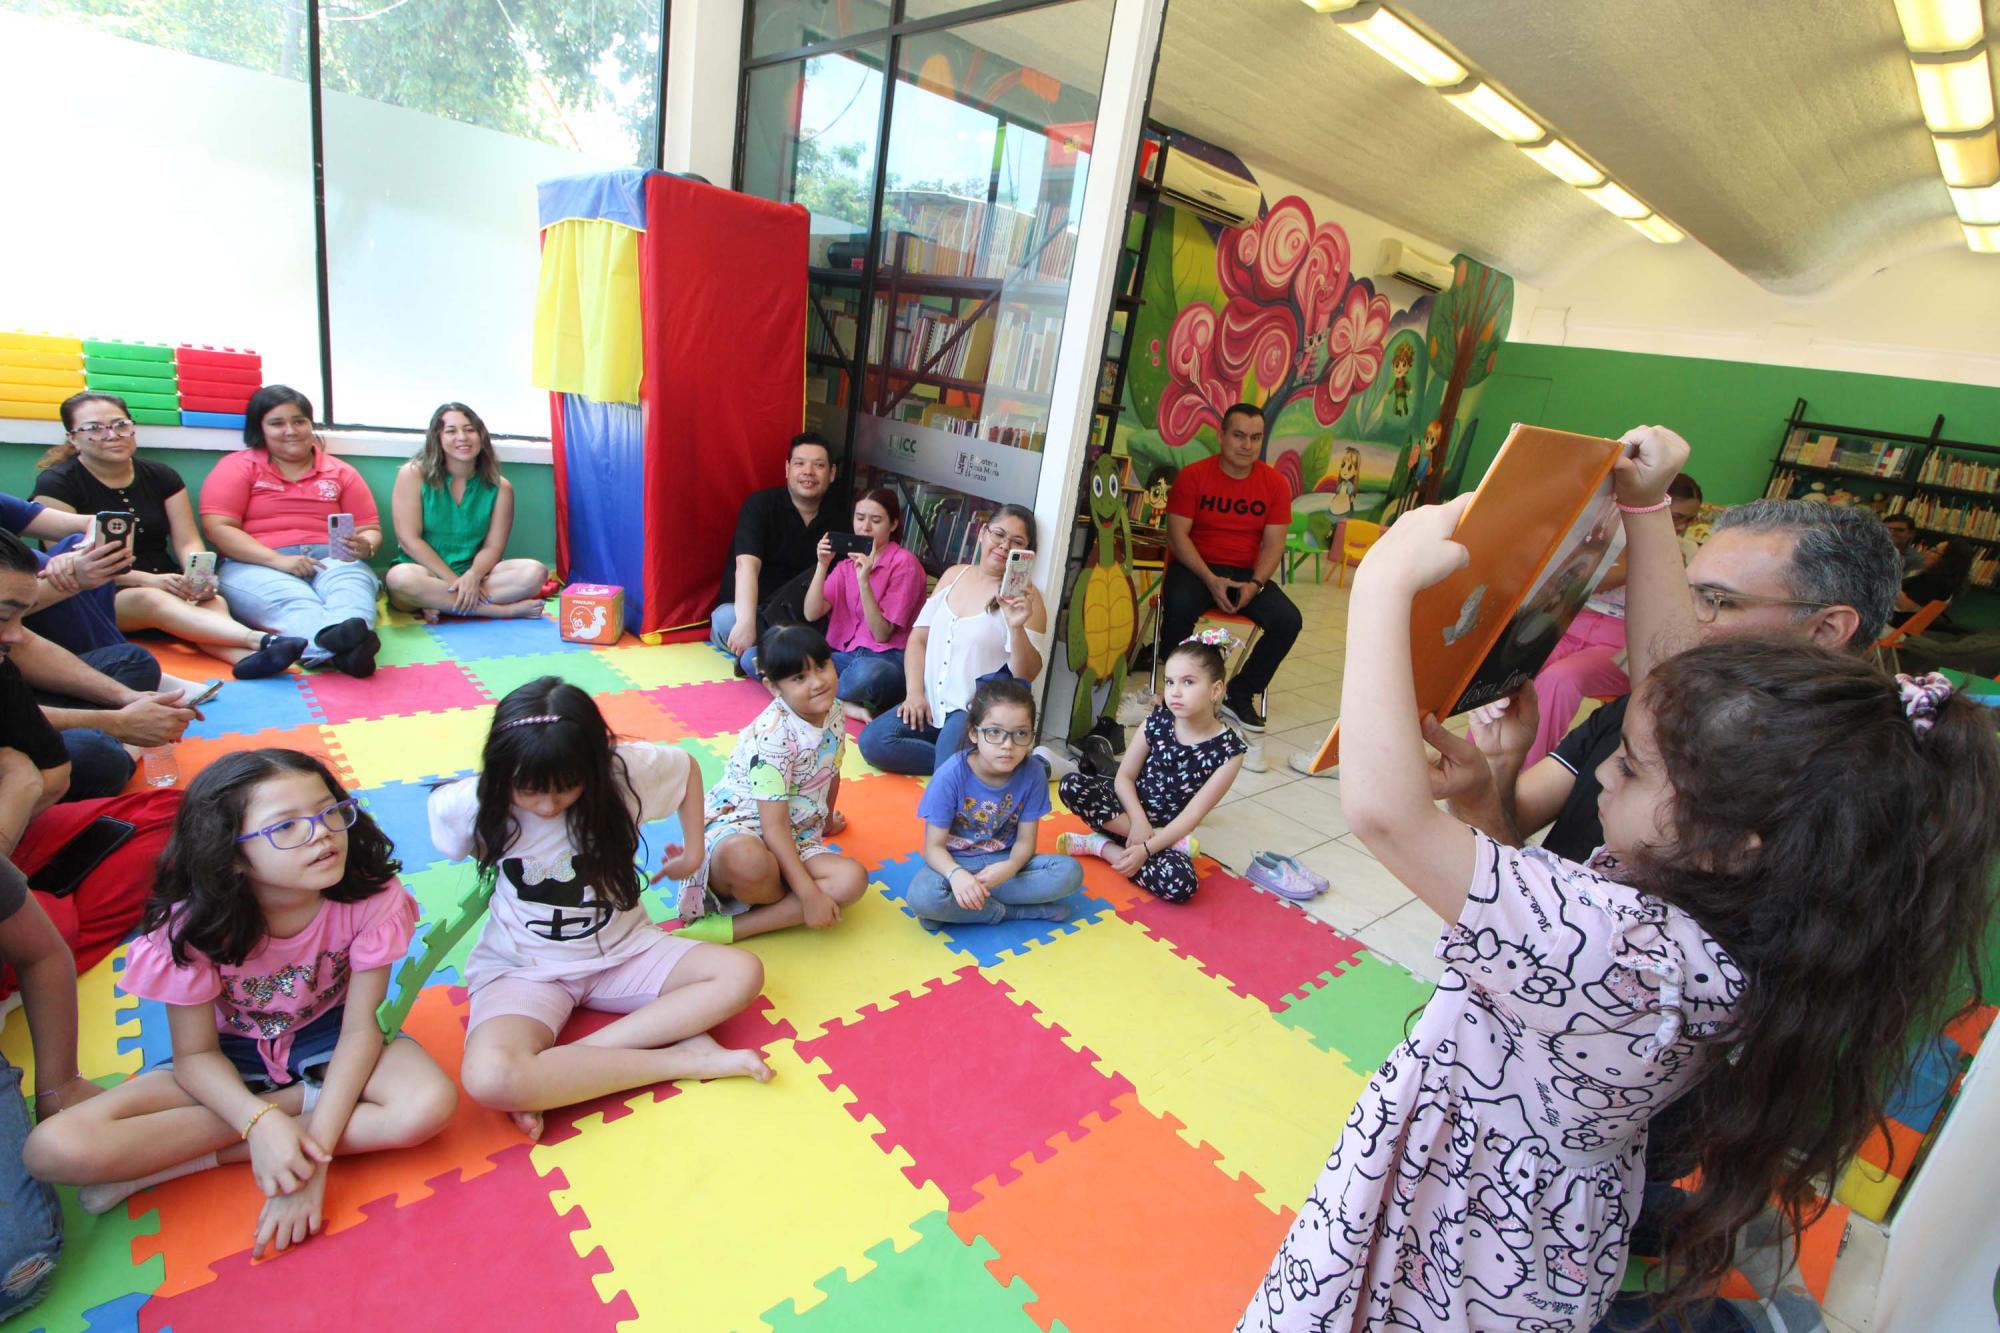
98, 763
894, 746
1044, 879
280, 603
31, 1230
719, 624
871, 678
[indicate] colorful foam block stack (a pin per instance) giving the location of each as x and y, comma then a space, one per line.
140, 373
38, 371
1875, 1180
216, 384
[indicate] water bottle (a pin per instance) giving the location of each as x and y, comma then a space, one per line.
158, 767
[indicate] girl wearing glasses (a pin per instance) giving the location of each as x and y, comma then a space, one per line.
96, 469
981, 811
771, 813
966, 631
266, 509
271, 931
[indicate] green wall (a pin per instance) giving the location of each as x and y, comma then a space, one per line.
1732, 412
534, 491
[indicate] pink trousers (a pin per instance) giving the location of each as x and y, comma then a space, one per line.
1583, 666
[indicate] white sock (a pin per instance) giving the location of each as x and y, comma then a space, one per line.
1084, 844
1185, 846
311, 1096
103, 1198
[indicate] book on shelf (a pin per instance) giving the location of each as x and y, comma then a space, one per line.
1986, 569
950, 237
1942, 469
1955, 518
1542, 529
1845, 453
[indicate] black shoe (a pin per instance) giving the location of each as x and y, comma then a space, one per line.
358, 661
1242, 710
273, 655
348, 634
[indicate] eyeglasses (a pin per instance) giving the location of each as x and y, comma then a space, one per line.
291, 834
97, 430
1004, 736
1709, 601
1006, 538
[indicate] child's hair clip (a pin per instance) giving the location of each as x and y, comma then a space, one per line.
529, 721
1214, 637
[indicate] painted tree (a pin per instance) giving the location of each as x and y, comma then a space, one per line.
1468, 323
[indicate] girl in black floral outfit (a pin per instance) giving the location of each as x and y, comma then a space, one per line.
1179, 766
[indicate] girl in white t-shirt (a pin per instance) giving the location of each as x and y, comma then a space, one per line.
553, 820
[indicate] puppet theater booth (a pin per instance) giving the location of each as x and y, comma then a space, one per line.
658, 296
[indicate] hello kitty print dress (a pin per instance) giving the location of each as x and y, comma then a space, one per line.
1489, 1175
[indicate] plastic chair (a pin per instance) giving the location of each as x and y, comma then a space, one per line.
1310, 534
1357, 536
1919, 621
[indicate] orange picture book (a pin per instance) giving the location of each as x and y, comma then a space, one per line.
1542, 529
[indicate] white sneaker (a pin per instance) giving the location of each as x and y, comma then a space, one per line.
1060, 764
1301, 762
1253, 757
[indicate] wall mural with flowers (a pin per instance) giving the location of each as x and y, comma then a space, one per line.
1367, 408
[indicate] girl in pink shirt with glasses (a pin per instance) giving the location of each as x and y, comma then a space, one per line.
272, 928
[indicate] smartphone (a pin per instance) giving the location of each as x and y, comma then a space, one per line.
850, 543
113, 527
201, 565
214, 688
339, 531
63, 873
1020, 568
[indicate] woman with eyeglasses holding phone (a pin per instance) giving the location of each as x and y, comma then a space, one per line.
96, 470
267, 510
965, 631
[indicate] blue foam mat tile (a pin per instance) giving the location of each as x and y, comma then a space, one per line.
402, 811
245, 706
470, 640
213, 420
119, 1316
989, 945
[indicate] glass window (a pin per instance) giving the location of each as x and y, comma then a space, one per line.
439, 119
787, 25
159, 175
987, 160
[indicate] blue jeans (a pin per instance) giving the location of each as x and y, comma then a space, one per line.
98, 763
1045, 879
871, 678
894, 746
31, 1226
280, 603
719, 624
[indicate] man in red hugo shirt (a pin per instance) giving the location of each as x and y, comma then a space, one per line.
1226, 521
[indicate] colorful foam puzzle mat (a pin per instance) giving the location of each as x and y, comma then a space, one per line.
980, 1129
212, 420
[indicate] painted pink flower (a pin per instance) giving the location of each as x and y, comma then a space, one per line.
1195, 394
1354, 351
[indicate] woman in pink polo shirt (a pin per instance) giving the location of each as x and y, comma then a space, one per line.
266, 510
870, 602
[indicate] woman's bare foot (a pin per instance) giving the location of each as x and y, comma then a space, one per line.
529, 1123
709, 1058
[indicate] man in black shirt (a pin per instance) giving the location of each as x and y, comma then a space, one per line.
777, 538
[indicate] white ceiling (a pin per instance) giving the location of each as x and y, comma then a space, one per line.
1782, 134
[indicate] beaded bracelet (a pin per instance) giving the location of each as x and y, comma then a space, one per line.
252, 1122
1643, 509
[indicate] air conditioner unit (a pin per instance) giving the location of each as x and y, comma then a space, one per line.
1399, 261
1218, 195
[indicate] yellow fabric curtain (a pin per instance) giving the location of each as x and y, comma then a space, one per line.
587, 326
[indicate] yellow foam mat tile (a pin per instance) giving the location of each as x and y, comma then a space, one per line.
868, 957
415, 748
649, 668
105, 1016
1260, 1093
20, 411
791, 1188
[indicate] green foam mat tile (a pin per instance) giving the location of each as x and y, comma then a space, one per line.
1359, 1014
129, 384
151, 402
118, 365
147, 416
129, 351
939, 1283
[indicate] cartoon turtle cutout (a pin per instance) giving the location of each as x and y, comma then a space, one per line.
1103, 614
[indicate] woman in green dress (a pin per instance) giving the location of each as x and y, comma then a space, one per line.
453, 513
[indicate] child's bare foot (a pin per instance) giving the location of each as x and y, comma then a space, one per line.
858, 713
709, 1058
529, 1123
836, 822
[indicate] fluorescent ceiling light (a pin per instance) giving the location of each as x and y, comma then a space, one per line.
1330, 6
1956, 91
1402, 46
1656, 229
1563, 162
1980, 207
1495, 112
1969, 160
1611, 197
1983, 240
1940, 25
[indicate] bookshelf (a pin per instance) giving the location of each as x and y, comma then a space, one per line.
1949, 489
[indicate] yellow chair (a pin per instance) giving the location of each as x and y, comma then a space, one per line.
1357, 535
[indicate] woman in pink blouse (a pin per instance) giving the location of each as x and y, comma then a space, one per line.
870, 601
